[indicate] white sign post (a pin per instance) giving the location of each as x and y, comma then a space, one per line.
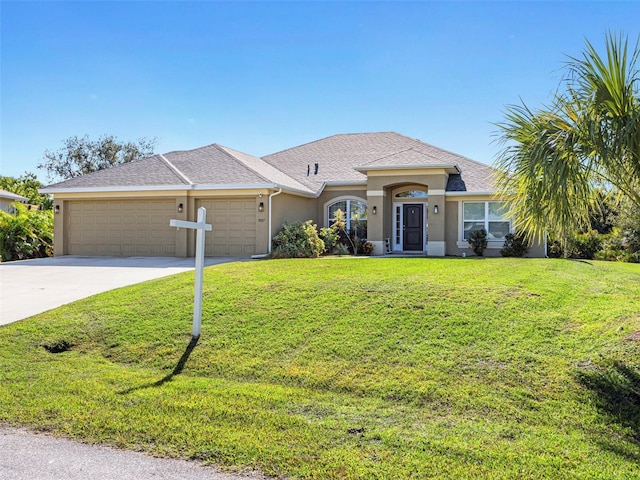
200, 227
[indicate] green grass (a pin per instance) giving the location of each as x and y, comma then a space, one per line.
350, 368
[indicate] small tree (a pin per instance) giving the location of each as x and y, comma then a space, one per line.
478, 241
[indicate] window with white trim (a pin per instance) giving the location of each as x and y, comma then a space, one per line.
488, 215
355, 213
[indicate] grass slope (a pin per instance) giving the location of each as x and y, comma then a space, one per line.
350, 368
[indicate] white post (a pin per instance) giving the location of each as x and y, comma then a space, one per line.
197, 298
200, 226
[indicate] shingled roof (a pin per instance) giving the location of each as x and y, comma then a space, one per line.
305, 169
343, 158
210, 166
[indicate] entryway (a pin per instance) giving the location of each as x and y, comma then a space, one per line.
413, 227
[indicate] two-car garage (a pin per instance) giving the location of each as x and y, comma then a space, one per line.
140, 227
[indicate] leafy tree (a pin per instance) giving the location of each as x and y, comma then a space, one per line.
555, 159
80, 155
27, 185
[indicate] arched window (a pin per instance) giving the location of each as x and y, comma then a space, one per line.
412, 194
355, 212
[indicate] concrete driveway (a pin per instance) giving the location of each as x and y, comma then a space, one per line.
29, 287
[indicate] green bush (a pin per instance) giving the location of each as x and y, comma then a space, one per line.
297, 240
515, 245
584, 245
621, 246
478, 241
330, 236
26, 234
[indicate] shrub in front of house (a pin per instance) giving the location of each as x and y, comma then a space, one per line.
26, 234
297, 240
515, 245
366, 248
331, 237
478, 241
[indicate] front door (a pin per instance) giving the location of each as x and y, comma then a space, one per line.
413, 226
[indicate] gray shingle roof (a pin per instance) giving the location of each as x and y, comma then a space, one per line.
210, 165
150, 171
339, 158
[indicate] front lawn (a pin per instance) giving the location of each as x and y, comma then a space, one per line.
350, 368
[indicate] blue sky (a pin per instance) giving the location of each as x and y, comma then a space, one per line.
264, 76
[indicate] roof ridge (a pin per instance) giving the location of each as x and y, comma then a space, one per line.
398, 152
322, 139
175, 169
289, 177
224, 151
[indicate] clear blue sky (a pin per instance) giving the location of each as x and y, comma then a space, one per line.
264, 76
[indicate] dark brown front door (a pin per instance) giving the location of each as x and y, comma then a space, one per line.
413, 227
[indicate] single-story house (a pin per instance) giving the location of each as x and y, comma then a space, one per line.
8, 198
405, 196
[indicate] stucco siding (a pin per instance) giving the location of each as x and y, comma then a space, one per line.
290, 208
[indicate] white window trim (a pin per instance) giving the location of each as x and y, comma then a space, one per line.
491, 243
343, 198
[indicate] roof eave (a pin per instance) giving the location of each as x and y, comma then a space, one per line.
449, 167
155, 188
453, 193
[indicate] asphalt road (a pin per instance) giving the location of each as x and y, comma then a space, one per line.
29, 456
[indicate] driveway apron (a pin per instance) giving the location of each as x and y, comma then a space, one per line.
30, 287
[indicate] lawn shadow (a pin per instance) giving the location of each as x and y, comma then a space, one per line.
176, 371
617, 390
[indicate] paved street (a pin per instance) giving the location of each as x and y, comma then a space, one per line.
29, 456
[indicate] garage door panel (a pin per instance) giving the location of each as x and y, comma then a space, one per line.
120, 227
234, 227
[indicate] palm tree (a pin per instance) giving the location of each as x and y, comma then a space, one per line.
555, 159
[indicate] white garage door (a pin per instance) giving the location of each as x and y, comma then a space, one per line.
234, 227
122, 228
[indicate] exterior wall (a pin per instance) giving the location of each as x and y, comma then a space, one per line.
290, 208
456, 247
443, 228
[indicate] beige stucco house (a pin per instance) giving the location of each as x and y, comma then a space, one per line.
406, 195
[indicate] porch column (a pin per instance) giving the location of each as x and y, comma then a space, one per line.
436, 246
375, 221
60, 208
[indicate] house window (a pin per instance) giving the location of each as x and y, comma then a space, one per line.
412, 194
355, 213
488, 215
